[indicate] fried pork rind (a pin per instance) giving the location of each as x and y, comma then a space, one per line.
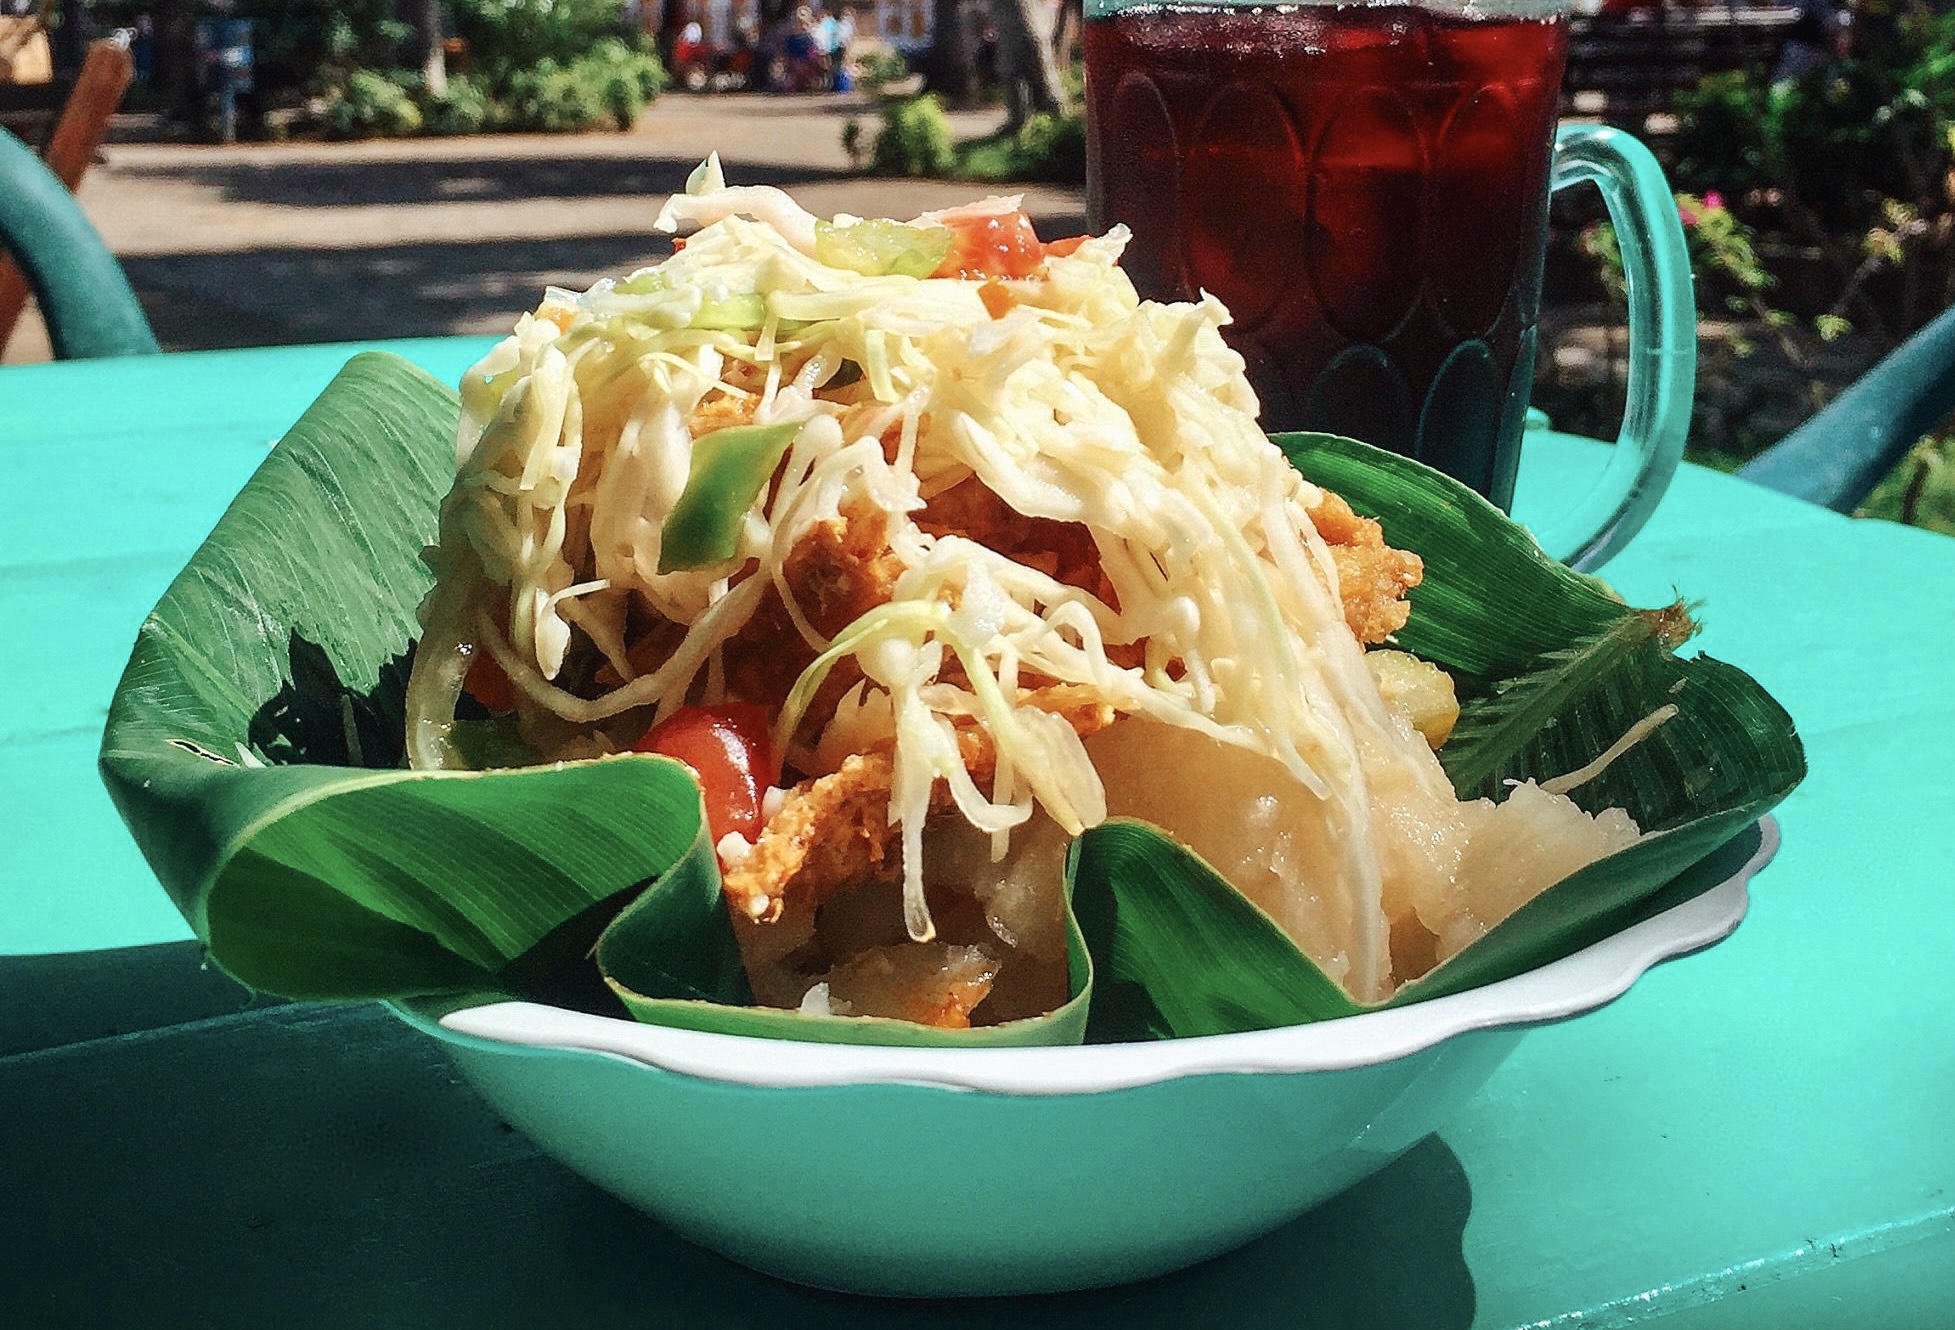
834, 831
1372, 577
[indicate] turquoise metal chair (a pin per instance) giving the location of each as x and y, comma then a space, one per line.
1836, 458
84, 296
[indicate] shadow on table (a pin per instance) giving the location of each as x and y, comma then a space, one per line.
1386, 1254
281, 295
465, 177
284, 294
322, 1166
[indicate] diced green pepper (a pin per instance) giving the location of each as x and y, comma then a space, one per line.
729, 467
878, 248
645, 282
741, 313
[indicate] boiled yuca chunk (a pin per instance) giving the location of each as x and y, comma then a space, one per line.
1294, 855
1517, 849
1451, 869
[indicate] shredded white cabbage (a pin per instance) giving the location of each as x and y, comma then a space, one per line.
1080, 404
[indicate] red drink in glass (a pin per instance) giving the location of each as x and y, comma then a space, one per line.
1364, 186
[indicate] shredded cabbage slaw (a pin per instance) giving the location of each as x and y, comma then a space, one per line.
1081, 403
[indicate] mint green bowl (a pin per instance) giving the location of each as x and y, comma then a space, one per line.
946, 1172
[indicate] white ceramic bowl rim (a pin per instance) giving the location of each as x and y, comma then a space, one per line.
1574, 984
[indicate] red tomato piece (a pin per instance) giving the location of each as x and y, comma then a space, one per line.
730, 750
997, 298
1059, 249
992, 245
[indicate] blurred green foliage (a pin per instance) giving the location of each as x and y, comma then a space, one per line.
880, 68
302, 43
532, 65
608, 85
460, 108
371, 105
507, 37
1921, 490
915, 139
1853, 160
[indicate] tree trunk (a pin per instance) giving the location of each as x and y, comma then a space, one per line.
427, 37
1068, 33
1026, 68
949, 68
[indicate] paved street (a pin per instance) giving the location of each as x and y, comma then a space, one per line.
304, 242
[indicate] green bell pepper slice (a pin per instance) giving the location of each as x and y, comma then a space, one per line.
879, 248
729, 467
738, 313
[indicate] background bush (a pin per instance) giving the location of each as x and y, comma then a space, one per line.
625, 78
371, 105
533, 65
507, 36
304, 43
460, 108
880, 68
1854, 161
915, 139
1047, 147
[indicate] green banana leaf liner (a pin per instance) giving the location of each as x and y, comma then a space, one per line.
255, 749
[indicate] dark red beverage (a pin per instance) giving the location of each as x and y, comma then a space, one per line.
1364, 186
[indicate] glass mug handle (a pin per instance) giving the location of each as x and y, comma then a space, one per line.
1662, 342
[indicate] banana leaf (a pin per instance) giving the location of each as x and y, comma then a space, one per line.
254, 747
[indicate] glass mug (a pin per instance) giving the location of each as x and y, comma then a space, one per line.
1365, 186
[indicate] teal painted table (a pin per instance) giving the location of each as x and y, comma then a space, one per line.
1758, 1136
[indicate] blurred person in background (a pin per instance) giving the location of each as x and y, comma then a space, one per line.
142, 47
828, 35
690, 59
805, 68
839, 60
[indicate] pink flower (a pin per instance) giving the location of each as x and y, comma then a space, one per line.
1713, 200
1686, 213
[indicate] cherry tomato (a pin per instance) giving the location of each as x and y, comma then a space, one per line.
992, 245
487, 683
730, 752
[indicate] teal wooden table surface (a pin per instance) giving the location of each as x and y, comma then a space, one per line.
1755, 1136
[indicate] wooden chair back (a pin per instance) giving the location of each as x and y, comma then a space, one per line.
71, 146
